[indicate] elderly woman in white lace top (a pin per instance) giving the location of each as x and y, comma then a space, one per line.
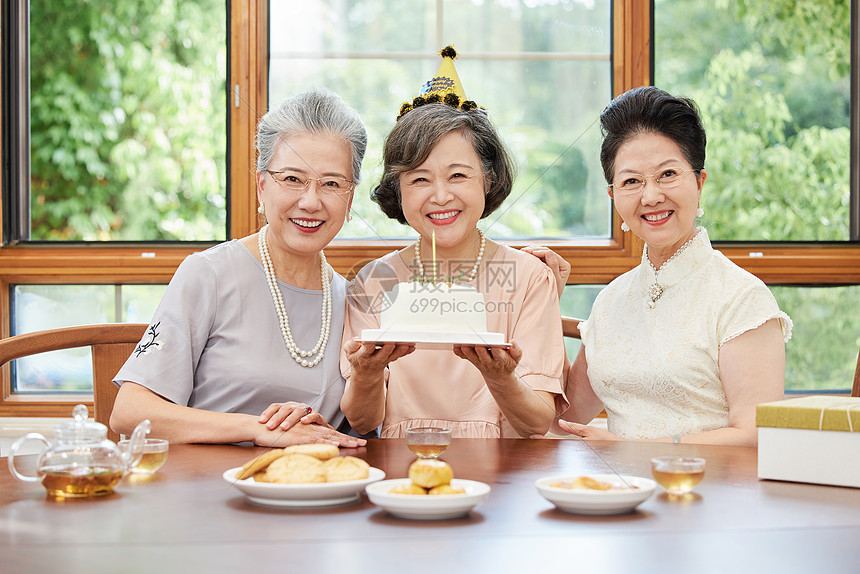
682, 347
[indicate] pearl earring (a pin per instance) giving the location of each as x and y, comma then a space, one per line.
624, 226
260, 209
700, 212
349, 216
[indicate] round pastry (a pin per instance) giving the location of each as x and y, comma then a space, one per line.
427, 472
446, 489
259, 463
410, 488
584, 482
295, 468
345, 468
320, 451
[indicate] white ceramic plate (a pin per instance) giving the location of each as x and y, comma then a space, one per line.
428, 507
631, 492
434, 340
302, 495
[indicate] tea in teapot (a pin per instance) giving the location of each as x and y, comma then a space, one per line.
81, 462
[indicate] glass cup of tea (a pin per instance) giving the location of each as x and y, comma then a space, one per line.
679, 475
154, 455
428, 442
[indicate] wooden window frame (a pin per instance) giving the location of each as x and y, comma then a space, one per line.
593, 262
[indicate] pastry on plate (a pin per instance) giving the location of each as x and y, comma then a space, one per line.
295, 468
446, 489
345, 468
320, 451
430, 472
408, 488
259, 463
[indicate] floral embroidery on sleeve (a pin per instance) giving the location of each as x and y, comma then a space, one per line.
146, 347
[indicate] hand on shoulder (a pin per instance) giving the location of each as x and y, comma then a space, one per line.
557, 264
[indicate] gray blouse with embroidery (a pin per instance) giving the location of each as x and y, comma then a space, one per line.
214, 342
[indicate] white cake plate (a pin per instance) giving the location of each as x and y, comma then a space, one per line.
434, 340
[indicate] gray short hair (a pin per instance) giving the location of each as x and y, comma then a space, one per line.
315, 111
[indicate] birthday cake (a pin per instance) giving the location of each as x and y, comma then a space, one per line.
433, 313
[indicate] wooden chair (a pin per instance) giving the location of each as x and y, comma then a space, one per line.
570, 327
855, 390
111, 343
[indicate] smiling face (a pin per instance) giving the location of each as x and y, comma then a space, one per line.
664, 218
445, 194
301, 224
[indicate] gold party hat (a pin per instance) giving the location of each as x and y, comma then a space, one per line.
445, 87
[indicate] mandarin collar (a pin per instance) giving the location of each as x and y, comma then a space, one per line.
687, 259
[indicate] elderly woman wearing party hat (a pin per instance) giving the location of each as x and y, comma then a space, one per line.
245, 344
446, 169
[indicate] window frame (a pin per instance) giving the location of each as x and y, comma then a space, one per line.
593, 261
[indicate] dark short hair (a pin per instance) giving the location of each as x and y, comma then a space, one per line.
413, 137
651, 110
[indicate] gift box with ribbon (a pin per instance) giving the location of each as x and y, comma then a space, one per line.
810, 439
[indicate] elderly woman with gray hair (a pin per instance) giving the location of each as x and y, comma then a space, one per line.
244, 346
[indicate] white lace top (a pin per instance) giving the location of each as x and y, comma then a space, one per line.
656, 369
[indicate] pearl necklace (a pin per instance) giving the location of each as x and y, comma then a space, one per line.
297, 354
655, 291
472, 274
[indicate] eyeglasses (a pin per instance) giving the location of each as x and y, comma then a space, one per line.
298, 183
666, 178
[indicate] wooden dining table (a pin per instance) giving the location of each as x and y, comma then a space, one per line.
187, 518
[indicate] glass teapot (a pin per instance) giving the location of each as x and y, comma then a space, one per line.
81, 462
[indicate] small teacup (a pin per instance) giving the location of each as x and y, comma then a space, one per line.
428, 442
677, 474
154, 455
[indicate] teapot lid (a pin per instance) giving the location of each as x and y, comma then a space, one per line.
80, 429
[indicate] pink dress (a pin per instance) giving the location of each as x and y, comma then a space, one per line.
432, 387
